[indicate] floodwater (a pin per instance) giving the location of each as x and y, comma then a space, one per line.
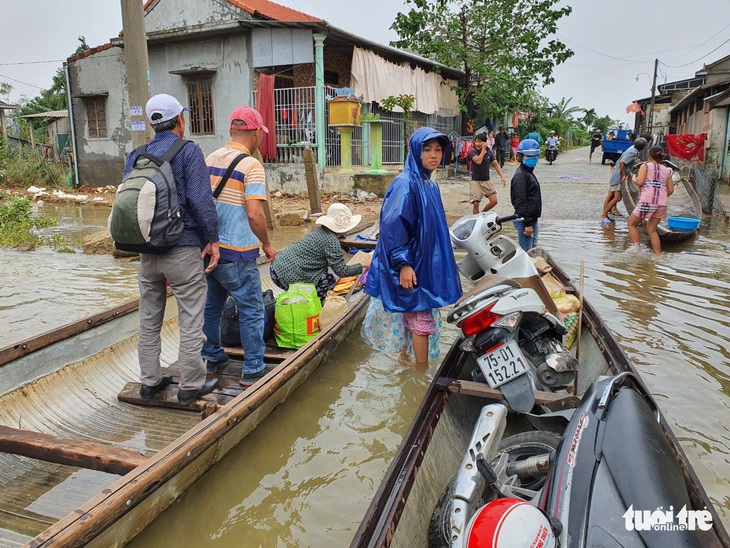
306, 476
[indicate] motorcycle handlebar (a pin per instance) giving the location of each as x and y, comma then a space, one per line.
501, 220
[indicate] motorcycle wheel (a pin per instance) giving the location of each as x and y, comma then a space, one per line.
519, 447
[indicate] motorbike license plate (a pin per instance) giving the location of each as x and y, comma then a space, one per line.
503, 364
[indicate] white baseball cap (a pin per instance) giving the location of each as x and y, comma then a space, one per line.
163, 107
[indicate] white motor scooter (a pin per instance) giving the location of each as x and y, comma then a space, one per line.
509, 321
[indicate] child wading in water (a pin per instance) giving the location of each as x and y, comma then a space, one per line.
413, 271
655, 186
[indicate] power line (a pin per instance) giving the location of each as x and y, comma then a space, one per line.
700, 58
703, 43
31, 62
21, 82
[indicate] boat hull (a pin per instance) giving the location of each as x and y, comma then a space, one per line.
435, 443
683, 203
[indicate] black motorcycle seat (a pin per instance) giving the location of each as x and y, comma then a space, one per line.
641, 461
485, 283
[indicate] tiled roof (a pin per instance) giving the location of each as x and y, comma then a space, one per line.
264, 9
272, 10
88, 52
269, 10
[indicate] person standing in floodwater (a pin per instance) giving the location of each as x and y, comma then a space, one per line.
413, 271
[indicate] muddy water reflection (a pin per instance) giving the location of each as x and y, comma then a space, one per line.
306, 476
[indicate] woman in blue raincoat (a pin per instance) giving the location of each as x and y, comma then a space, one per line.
413, 271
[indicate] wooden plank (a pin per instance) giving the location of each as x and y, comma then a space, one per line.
17, 350
471, 388
362, 244
310, 172
167, 398
83, 454
271, 353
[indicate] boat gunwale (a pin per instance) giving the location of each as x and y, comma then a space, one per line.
630, 195
105, 508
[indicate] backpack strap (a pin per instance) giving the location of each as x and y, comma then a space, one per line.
168, 156
227, 175
174, 150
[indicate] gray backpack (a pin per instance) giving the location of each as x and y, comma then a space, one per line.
146, 215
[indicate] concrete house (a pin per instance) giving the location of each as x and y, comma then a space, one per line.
213, 54
696, 105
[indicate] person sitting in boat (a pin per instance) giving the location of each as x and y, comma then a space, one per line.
308, 259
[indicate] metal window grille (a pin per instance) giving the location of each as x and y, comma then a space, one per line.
200, 99
96, 116
295, 124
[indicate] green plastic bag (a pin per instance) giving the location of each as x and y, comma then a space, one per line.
297, 316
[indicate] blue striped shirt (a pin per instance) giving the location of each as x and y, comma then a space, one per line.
193, 189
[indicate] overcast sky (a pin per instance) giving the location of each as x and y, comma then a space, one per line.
614, 41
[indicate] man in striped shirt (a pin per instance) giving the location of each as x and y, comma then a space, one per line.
241, 226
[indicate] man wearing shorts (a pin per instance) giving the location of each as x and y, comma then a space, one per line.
622, 169
481, 186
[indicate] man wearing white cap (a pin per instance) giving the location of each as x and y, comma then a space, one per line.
242, 225
182, 265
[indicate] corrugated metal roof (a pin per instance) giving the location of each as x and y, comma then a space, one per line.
49, 114
6, 106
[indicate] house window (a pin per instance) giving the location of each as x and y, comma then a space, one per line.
331, 78
200, 100
96, 116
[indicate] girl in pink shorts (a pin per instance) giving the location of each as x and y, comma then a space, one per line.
655, 186
413, 272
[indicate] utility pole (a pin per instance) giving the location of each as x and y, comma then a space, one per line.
653, 96
138, 67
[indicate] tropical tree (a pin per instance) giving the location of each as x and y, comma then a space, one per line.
505, 47
589, 117
564, 112
603, 123
53, 98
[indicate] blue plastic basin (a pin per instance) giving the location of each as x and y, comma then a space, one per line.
683, 223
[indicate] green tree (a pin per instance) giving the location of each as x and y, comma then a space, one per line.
505, 47
53, 98
5, 90
405, 102
589, 117
603, 123
564, 112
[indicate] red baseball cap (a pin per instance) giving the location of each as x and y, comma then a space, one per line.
250, 117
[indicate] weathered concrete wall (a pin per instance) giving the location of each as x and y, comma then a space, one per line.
165, 16
227, 56
716, 131
290, 178
101, 160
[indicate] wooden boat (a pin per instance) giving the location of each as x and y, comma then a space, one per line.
438, 437
78, 466
683, 203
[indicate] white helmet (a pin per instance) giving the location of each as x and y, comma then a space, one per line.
509, 523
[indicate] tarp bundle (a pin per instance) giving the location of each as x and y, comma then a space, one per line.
687, 146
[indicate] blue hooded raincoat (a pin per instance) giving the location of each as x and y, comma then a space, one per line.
414, 232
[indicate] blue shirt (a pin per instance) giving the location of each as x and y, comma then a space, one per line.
193, 189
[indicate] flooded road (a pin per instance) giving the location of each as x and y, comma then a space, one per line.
306, 476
